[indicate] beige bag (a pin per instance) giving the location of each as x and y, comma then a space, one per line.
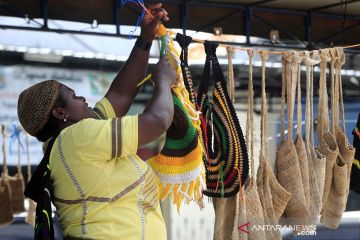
228, 211
327, 144
299, 142
287, 163
316, 160
336, 203
6, 216
254, 213
30, 217
17, 187
264, 167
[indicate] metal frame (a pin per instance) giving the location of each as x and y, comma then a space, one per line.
249, 11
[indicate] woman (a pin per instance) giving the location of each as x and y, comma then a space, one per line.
100, 187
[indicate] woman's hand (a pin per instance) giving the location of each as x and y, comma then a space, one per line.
150, 24
164, 72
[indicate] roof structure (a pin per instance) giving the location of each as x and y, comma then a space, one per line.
301, 23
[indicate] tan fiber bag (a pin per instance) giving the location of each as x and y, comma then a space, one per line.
30, 217
316, 160
226, 212
254, 211
264, 167
17, 182
287, 163
6, 216
299, 142
327, 144
336, 203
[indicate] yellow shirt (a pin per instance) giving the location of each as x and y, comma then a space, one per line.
101, 188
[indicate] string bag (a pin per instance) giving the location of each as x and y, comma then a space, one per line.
6, 216
262, 178
336, 202
316, 160
254, 212
287, 163
179, 166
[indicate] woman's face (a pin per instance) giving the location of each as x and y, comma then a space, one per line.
76, 108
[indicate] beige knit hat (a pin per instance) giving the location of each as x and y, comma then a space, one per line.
35, 104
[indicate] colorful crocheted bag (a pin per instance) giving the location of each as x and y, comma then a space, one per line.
179, 166
227, 166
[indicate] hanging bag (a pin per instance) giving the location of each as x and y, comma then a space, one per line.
17, 181
179, 165
287, 163
336, 202
254, 212
6, 216
299, 142
227, 166
264, 171
327, 144
316, 160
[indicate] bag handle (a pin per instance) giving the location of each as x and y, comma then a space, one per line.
339, 63
297, 60
334, 94
5, 170
250, 115
309, 64
323, 114
19, 154
231, 81
287, 69
264, 149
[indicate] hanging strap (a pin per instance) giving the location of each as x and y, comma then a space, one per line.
283, 96
291, 84
264, 114
5, 170
231, 81
297, 60
309, 63
287, 60
334, 95
19, 154
323, 114
250, 115
339, 63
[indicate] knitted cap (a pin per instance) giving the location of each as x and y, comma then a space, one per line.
35, 104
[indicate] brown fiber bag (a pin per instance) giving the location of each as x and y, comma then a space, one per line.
252, 201
287, 163
6, 216
336, 202
327, 144
299, 142
316, 160
265, 170
17, 181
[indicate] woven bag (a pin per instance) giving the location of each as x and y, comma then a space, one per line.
264, 170
17, 181
299, 142
179, 165
254, 213
227, 165
336, 202
287, 163
316, 174
30, 217
327, 143
6, 216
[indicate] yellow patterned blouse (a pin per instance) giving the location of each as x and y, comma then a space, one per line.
101, 188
